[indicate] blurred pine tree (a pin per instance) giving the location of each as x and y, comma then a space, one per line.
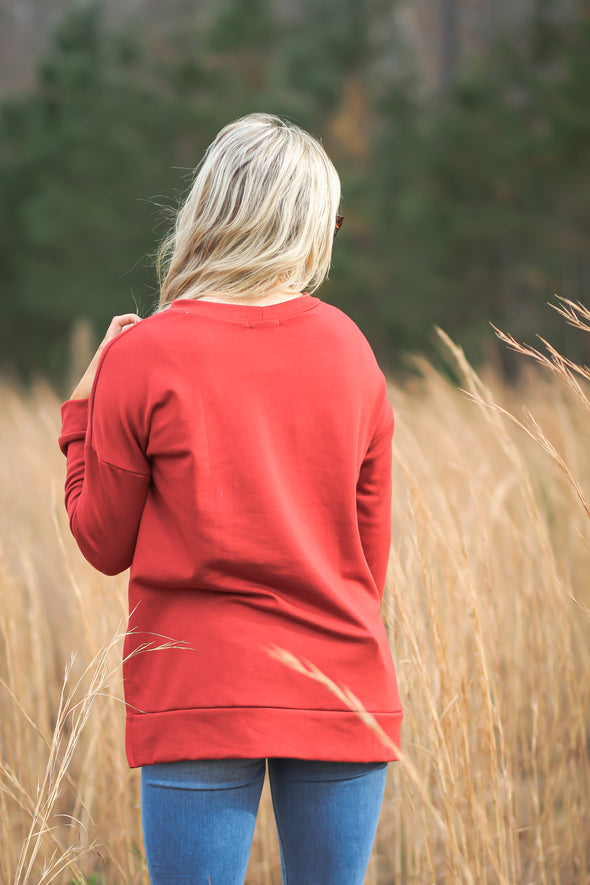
483, 199
82, 161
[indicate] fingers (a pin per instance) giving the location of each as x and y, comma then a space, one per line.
126, 320
119, 324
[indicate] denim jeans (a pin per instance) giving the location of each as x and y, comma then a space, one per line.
198, 819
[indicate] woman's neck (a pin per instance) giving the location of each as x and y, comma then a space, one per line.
276, 296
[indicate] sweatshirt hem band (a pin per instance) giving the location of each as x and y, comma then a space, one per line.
258, 732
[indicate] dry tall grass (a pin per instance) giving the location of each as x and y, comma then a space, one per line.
486, 606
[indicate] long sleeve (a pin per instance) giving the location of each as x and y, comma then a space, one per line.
373, 497
108, 474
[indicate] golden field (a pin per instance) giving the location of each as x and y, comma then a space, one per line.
487, 605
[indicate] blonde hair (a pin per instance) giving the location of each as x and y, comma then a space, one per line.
260, 215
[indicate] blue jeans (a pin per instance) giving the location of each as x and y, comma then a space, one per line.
198, 819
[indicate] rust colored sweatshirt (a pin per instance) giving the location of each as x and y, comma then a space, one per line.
238, 459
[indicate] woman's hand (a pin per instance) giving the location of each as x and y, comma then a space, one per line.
117, 325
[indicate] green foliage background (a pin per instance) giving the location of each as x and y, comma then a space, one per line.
461, 209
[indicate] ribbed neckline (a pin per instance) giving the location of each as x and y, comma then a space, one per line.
240, 311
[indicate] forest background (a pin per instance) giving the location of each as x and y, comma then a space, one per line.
460, 130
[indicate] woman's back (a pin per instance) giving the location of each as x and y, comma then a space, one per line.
263, 430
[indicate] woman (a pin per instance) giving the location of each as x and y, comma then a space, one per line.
234, 450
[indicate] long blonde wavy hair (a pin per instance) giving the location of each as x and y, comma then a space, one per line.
260, 215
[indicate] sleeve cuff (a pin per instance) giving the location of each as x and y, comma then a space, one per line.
74, 421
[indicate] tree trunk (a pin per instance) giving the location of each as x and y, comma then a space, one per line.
450, 42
